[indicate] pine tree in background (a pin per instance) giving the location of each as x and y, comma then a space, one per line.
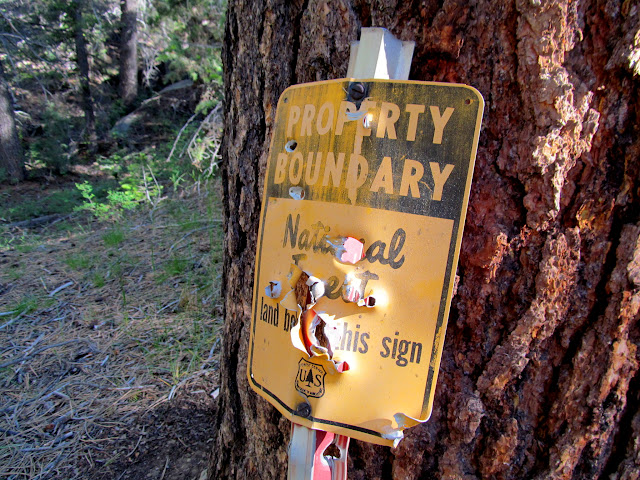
11, 155
82, 57
129, 52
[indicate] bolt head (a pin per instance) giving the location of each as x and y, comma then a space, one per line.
357, 91
303, 410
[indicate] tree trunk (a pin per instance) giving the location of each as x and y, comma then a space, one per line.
129, 52
83, 67
11, 155
539, 376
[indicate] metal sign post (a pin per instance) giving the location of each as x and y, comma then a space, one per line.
380, 55
307, 459
365, 195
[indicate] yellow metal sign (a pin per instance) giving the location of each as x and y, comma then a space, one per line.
365, 195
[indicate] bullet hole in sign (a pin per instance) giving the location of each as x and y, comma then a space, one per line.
297, 193
273, 290
290, 146
332, 451
347, 249
369, 302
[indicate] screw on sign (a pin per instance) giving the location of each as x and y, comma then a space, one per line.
366, 191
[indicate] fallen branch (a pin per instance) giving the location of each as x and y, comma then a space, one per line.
48, 347
170, 304
17, 317
35, 222
165, 468
60, 288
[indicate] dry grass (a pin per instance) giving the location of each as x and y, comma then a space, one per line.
100, 323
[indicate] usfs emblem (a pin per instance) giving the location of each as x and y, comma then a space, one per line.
310, 379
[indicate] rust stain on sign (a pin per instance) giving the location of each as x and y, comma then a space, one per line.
364, 206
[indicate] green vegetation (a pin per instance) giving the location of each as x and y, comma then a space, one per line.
176, 266
79, 261
178, 41
110, 251
98, 280
114, 237
29, 303
142, 287
42, 203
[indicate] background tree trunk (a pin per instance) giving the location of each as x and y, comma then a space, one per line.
83, 67
539, 373
11, 155
129, 52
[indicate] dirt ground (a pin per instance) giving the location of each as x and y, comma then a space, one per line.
109, 339
172, 442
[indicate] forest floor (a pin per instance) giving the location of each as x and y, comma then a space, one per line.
109, 335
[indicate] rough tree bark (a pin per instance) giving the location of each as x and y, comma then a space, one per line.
83, 66
539, 377
129, 52
11, 155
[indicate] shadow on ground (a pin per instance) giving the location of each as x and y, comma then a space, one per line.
170, 442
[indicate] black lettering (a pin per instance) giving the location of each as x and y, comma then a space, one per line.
319, 244
346, 332
378, 247
400, 350
348, 295
269, 314
365, 277
397, 242
325, 246
297, 257
332, 288
376, 251
416, 347
403, 349
293, 234
363, 341
303, 241
385, 342
318, 239
318, 381
276, 315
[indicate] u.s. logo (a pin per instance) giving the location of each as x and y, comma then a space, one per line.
310, 379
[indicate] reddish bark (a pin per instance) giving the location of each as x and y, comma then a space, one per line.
539, 377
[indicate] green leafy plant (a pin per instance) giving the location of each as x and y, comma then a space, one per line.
129, 195
99, 209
